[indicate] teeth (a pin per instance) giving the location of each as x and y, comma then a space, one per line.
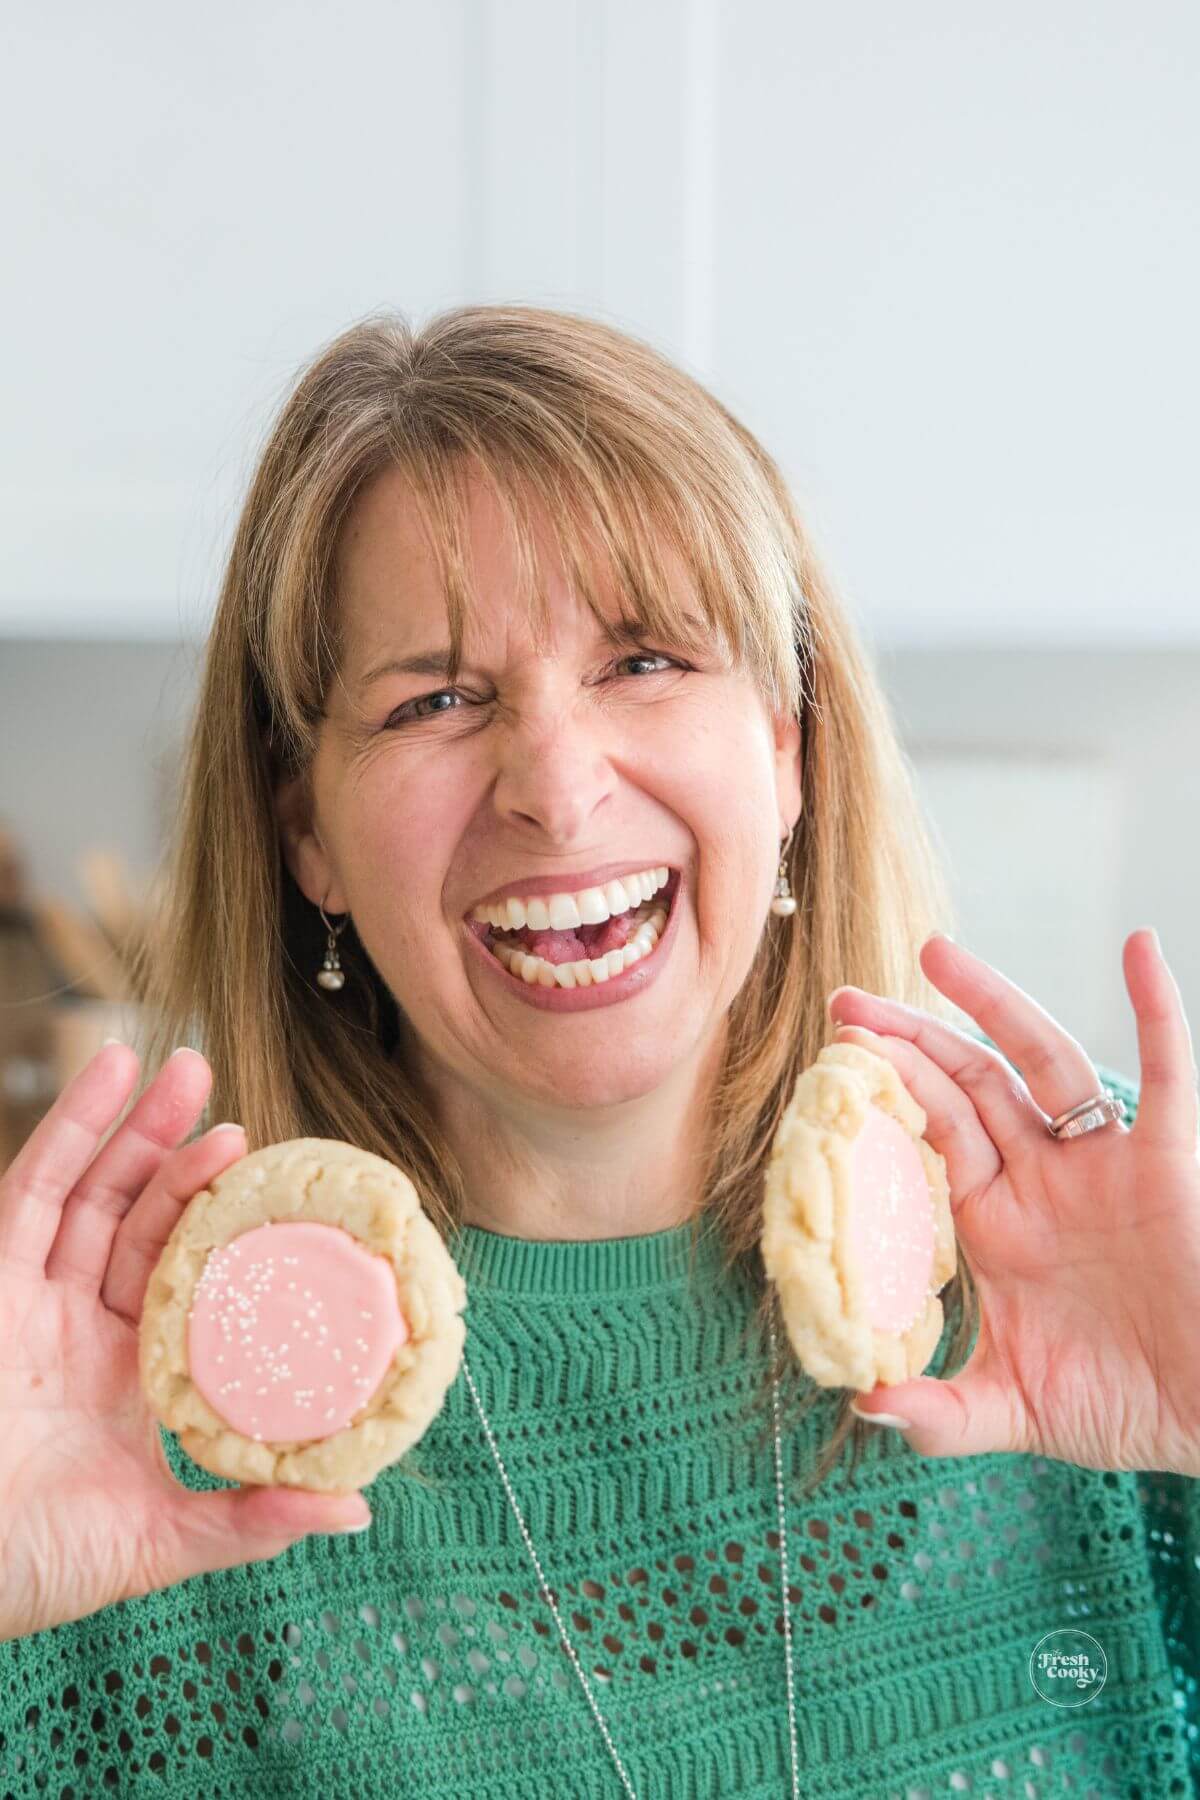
620, 898
535, 970
562, 912
593, 906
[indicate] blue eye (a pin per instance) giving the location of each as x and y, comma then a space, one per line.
403, 713
407, 713
648, 656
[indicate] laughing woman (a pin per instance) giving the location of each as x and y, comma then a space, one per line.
514, 608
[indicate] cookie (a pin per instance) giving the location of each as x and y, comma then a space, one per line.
857, 1234
303, 1324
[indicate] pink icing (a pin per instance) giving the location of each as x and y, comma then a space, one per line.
891, 1222
291, 1330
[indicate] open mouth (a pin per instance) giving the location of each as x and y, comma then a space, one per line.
584, 955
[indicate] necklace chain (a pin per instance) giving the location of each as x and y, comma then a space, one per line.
562, 1630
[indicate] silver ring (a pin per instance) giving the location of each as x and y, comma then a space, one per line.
1089, 1115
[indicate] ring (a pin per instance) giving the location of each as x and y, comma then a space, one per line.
1089, 1115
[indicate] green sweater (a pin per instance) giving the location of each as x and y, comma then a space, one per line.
417, 1658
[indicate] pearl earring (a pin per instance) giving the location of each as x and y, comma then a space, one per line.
784, 902
330, 975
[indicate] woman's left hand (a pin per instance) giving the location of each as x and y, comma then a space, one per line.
1085, 1250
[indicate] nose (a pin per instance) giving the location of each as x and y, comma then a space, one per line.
554, 766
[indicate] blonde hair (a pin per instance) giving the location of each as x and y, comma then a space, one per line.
628, 452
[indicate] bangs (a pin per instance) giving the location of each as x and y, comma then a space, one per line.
624, 551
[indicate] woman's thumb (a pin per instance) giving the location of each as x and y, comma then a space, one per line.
248, 1524
968, 1416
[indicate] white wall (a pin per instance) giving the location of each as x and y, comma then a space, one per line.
943, 258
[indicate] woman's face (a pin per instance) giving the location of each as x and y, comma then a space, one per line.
591, 757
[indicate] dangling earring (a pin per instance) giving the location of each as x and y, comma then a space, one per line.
784, 902
330, 974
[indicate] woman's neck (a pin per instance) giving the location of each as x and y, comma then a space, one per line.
618, 1170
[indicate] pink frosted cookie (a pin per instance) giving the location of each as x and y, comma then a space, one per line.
857, 1233
302, 1326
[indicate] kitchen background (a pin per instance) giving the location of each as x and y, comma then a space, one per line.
943, 260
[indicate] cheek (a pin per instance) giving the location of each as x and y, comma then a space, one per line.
396, 830
726, 797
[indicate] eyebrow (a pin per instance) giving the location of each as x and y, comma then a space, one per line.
437, 661
425, 662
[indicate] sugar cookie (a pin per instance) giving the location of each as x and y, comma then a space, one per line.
302, 1326
857, 1233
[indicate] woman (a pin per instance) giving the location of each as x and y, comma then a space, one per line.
514, 606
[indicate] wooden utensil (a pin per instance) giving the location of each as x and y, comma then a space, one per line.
92, 963
110, 887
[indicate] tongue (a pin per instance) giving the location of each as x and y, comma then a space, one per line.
583, 943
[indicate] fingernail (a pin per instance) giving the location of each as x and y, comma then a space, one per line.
343, 1530
179, 1050
833, 997
226, 1125
108, 1041
881, 1418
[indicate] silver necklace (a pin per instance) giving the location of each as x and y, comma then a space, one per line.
562, 1630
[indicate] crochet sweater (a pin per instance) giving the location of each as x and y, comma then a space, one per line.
419, 1657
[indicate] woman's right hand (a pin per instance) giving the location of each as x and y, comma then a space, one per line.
89, 1510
